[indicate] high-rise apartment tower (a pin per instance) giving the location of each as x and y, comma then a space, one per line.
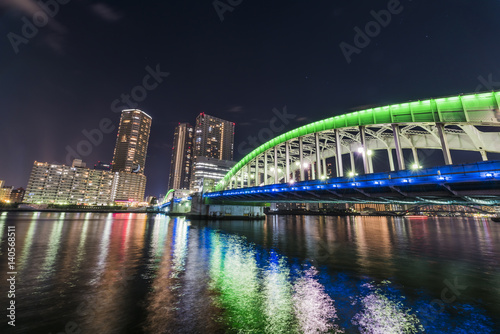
132, 142
213, 138
182, 157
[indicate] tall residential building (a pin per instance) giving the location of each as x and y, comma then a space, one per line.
182, 157
129, 158
132, 142
214, 138
60, 184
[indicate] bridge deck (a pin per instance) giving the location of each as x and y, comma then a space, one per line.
476, 183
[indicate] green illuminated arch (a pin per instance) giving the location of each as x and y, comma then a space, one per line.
168, 193
472, 109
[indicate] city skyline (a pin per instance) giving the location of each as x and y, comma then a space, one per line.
128, 156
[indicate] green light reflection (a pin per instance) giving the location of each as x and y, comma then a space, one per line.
28, 241
53, 249
233, 270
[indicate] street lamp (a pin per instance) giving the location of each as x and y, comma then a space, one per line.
416, 166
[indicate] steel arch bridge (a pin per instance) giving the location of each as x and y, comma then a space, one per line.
465, 123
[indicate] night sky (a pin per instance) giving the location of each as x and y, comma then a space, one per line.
65, 78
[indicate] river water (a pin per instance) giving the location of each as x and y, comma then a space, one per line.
138, 273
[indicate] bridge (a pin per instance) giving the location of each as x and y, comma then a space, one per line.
378, 155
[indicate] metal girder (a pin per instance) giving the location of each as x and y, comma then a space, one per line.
446, 123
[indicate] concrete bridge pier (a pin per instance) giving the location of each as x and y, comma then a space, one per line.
224, 211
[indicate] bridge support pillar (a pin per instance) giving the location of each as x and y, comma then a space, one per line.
370, 163
242, 179
484, 156
265, 168
318, 161
257, 171
313, 173
249, 174
287, 163
444, 144
301, 159
399, 150
391, 159
415, 156
366, 167
275, 164
338, 154
324, 167
353, 165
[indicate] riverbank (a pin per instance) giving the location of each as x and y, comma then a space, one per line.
71, 210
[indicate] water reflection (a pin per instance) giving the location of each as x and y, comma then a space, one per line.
25, 253
3, 217
384, 313
52, 249
234, 272
277, 295
135, 273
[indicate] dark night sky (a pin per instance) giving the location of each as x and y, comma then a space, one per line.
264, 55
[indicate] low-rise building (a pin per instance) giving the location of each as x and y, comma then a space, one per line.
17, 195
129, 187
60, 184
207, 172
5, 192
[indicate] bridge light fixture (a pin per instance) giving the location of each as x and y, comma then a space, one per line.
361, 149
415, 166
297, 163
306, 165
369, 152
323, 177
272, 169
292, 181
352, 174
